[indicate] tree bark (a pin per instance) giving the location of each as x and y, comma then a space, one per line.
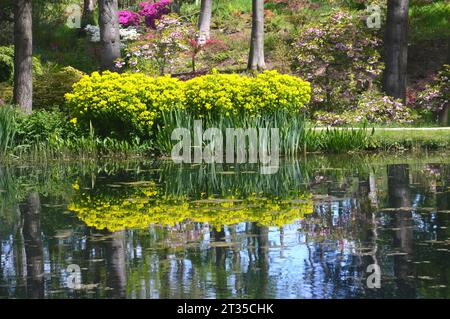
23, 52
256, 57
396, 43
109, 34
204, 21
448, 50
443, 116
88, 13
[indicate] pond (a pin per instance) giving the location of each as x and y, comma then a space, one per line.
153, 229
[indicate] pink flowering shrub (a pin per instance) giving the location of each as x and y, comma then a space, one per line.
339, 57
129, 18
154, 11
371, 107
436, 95
157, 51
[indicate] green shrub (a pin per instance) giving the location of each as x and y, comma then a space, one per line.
129, 105
371, 107
6, 92
50, 88
435, 97
7, 64
42, 126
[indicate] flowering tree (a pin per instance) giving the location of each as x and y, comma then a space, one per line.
435, 97
158, 48
339, 57
154, 11
129, 18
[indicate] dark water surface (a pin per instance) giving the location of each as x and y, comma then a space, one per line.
143, 229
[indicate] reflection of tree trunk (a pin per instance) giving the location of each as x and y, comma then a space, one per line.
399, 195
115, 252
373, 189
30, 209
263, 258
220, 264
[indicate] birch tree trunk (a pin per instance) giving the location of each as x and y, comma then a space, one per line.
256, 57
109, 34
88, 13
396, 43
23, 51
204, 21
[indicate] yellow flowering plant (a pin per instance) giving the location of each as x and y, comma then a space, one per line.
129, 104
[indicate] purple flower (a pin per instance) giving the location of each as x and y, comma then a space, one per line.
154, 11
128, 18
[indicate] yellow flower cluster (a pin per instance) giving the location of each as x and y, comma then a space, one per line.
135, 101
145, 206
122, 103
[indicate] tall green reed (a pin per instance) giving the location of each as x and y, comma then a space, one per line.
7, 128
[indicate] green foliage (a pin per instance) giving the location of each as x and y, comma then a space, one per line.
41, 126
296, 135
341, 140
430, 20
7, 64
6, 92
50, 88
436, 95
7, 128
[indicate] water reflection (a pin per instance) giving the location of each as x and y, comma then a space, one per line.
155, 230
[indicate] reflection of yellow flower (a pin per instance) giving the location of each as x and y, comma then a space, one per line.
146, 206
75, 186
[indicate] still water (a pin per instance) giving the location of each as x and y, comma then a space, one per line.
152, 229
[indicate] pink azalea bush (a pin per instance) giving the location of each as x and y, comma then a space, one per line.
436, 95
371, 107
157, 51
154, 11
340, 57
129, 18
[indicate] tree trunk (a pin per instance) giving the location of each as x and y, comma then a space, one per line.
109, 34
204, 21
23, 51
396, 43
448, 50
256, 57
88, 13
443, 116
